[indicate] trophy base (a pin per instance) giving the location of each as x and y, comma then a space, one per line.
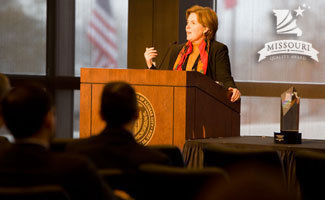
287, 137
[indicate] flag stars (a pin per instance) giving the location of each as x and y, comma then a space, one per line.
299, 11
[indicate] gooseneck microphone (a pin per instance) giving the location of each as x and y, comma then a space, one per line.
169, 46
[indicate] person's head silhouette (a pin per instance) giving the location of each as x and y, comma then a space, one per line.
118, 104
27, 111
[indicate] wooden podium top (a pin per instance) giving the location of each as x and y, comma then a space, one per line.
161, 78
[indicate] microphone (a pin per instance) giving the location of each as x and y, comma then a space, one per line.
169, 46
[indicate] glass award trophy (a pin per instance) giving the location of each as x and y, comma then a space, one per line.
289, 125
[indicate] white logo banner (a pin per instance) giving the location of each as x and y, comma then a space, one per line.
288, 47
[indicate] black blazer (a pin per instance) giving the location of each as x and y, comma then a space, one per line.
31, 164
116, 149
218, 63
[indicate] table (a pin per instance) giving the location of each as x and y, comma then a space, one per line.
193, 154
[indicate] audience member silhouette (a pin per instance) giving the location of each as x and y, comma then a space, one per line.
115, 146
29, 115
4, 88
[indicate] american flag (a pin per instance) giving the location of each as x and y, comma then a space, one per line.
102, 34
230, 3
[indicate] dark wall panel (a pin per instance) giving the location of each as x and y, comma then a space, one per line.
151, 23
140, 31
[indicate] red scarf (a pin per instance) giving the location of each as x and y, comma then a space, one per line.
187, 50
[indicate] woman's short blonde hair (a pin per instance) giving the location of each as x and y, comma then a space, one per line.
207, 17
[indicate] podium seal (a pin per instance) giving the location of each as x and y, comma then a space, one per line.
144, 127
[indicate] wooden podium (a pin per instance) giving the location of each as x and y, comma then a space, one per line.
182, 104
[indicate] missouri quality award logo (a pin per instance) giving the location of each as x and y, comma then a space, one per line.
286, 24
145, 125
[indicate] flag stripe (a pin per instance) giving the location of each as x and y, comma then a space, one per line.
230, 3
103, 26
98, 58
100, 42
108, 37
102, 34
103, 61
105, 52
107, 20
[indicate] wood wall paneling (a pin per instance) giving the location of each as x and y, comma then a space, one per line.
264, 89
139, 31
151, 23
165, 28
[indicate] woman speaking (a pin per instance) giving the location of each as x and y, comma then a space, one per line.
201, 52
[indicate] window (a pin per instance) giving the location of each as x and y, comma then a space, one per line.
23, 37
101, 34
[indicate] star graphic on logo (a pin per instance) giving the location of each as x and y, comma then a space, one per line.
299, 11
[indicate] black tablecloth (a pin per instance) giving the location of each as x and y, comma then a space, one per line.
193, 153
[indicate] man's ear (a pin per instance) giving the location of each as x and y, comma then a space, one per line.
49, 121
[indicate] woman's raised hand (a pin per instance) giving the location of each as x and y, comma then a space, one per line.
150, 54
